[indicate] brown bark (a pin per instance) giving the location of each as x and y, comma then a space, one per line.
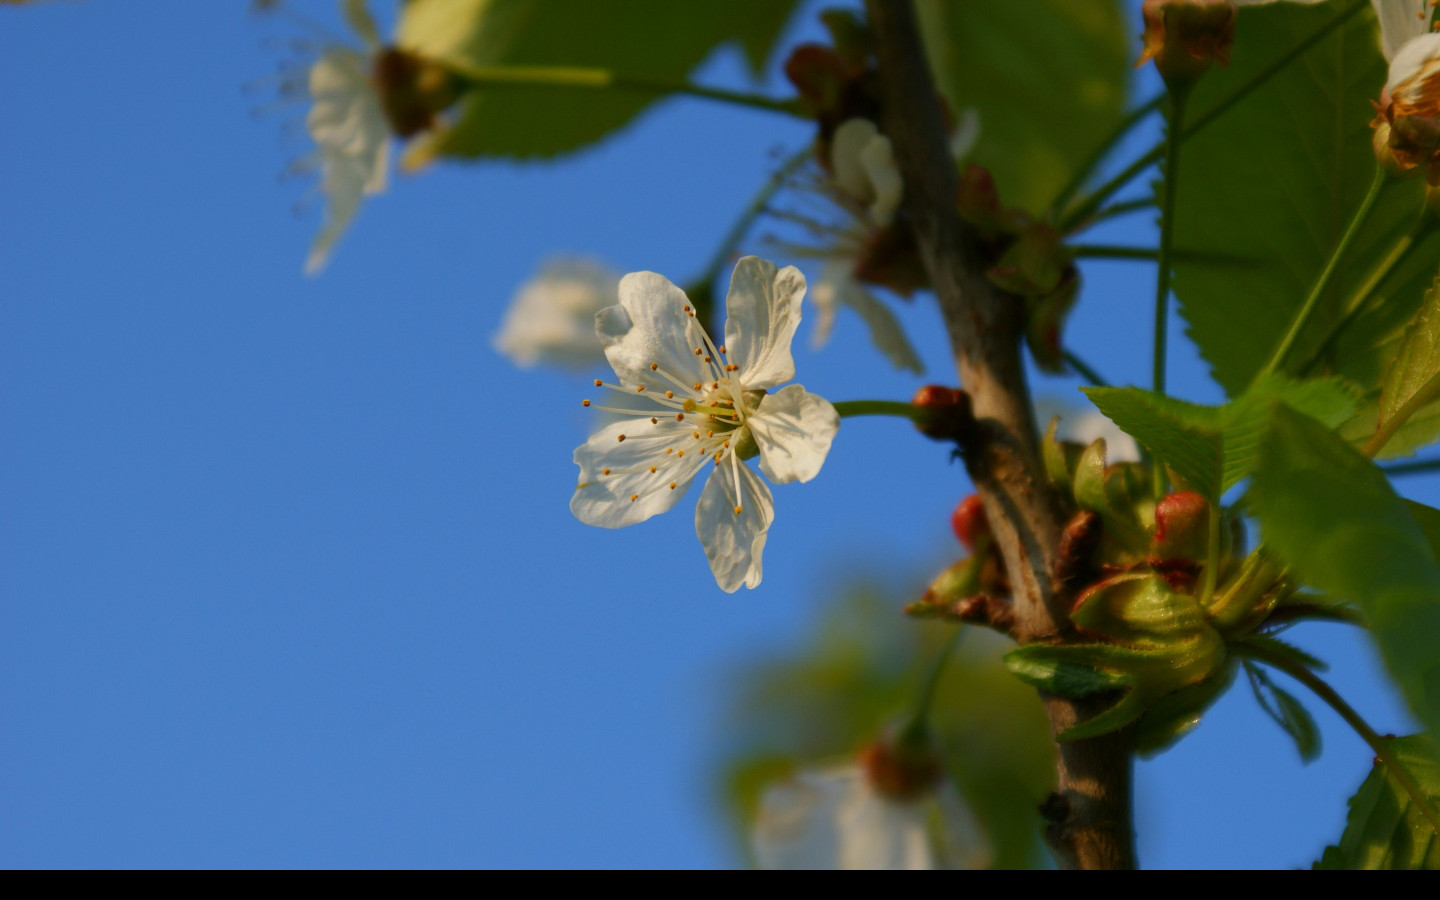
1089, 815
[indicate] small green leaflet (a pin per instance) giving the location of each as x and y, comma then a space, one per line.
1384, 830
1413, 380
1285, 711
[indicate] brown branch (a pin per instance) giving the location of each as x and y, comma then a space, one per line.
1089, 814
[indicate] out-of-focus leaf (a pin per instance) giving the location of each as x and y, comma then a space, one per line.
663, 41
1285, 711
857, 677
1276, 179
1048, 79
1384, 830
1414, 378
1332, 516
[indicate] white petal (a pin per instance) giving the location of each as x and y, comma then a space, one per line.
966, 134
1408, 68
604, 500
1400, 21
887, 187
762, 313
832, 819
733, 542
849, 141
552, 318
1083, 426
793, 430
352, 141
886, 332
649, 327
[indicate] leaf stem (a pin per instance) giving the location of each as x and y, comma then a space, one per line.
1318, 291
1320, 688
1356, 302
1086, 169
1084, 369
848, 408
919, 720
1419, 467
1086, 210
582, 78
1173, 133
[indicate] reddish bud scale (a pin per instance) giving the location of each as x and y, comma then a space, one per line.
968, 521
1182, 522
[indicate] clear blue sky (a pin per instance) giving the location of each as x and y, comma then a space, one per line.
288, 573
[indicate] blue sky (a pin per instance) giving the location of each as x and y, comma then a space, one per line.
289, 573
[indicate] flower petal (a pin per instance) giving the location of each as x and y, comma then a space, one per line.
1414, 82
604, 499
734, 541
833, 819
649, 327
838, 287
762, 313
793, 430
1400, 21
552, 318
878, 158
850, 140
353, 142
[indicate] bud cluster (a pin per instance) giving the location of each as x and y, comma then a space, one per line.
1185, 36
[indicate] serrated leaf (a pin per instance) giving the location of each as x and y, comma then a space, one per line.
1384, 829
1413, 380
655, 41
1331, 515
1039, 666
1277, 178
1067, 63
1182, 434
1285, 711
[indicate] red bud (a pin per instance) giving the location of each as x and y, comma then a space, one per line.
947, 411
969, 521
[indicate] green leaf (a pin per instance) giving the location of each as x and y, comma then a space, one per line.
1332, 516
1040, 667
661, 41
1184, 435
1414, 379
1048, 79
1384, 830
1214, 448
1285, 711
1275, 180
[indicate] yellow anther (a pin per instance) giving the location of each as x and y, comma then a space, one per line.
696, 435
620, 437
654, 366
652, 470
714, 385
599, 383
722, 349
698, 386
639, 388
654, 421
707, 359
710, 434
687, 307
604, 471
669, 449
584, 402
699, 352
672, 485
738, 510
680, 417
669, 395
679, 453
634, 497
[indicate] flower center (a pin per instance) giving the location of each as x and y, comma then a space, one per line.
696, 415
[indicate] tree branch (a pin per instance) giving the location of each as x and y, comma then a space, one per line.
1089, 814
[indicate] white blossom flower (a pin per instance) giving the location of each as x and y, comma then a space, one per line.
695, 406
836, 818
866, 176
1083, 426
352, 141
552, 318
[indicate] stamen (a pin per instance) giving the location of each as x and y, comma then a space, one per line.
738, 509
680, 417
598, 382
620, 438
669, 395
584, 402
639, 388
604, 471
634, 497
654, 421
672, 485
652, 470
654, 367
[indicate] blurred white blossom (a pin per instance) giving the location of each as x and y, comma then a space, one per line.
1083, 426
551, 319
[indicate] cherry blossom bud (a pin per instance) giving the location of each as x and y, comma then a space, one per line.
969, 522
900, 769
1182, 523
947, 412
1185, 36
